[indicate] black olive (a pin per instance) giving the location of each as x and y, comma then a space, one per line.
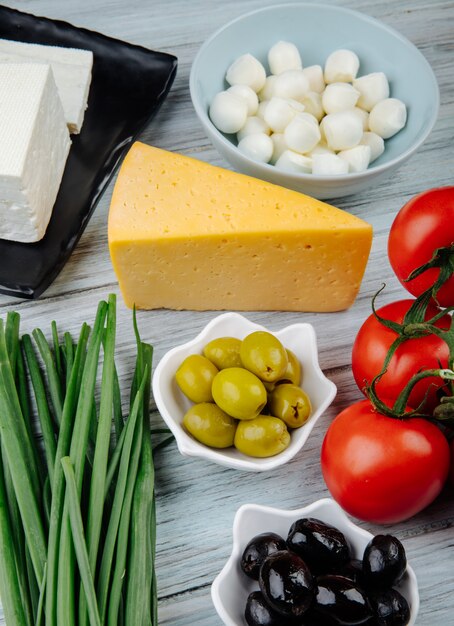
390, 608
353, 570
259, 613
341, 600
384, 562
257, 550
323, 547
286, 583
313, 618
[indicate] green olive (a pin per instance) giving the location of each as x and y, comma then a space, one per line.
207, 423
262, 437
224, 352
264, 355
269, 386
293, 372
195, 377
239, 393
291, 404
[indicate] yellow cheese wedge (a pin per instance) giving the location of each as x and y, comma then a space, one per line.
184, 234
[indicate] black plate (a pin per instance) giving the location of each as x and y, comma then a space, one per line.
129, 83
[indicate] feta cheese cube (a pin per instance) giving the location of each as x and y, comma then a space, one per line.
71, 68
34, 145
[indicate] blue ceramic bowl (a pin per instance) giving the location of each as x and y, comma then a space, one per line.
317, 30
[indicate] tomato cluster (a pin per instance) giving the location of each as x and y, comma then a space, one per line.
378, 467
429, 352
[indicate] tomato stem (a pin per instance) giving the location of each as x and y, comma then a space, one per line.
442, 258
415, 326
398, 410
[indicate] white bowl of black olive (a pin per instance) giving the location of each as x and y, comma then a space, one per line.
313, 567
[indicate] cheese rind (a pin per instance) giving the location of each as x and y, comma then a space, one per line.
184, 234
72, 73
34, 145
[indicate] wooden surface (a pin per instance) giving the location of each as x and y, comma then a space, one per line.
197, 500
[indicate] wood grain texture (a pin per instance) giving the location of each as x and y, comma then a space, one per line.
197, 500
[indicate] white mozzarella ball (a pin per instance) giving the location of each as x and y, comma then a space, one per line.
291, 84
297, 106
314, 75
372, 89
328, 165
303, 133
279, 146
258, 147
228, 112
388, 117
342, 130
320, 148
358, 158
375, 143
267, 91
248, 95
279, 113
339, 97
294, 163
253, 126
262, 108
363, 116
246, 70
284, 56
312, 103
341, 66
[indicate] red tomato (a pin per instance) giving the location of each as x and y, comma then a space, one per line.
424, 224
372, 344
381, 469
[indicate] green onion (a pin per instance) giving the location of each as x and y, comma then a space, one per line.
98, 477
45, 419
57, 351
69, 356
42, 589
139, 601
118, 415
79, 440
53, 377
127, 472
114, 461
22, 391
80, 547
64, 562
17, 536
63, 445
31, 587
24, 401
21, 461
9, 581
123, 532
154, 582
12, 338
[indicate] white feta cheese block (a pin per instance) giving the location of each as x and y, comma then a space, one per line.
34, 145
72, 73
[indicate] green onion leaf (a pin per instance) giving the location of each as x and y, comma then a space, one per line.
77, 530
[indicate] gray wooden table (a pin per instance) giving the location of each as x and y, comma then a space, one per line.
197, 500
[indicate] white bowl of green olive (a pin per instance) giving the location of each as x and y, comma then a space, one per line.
230, 432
